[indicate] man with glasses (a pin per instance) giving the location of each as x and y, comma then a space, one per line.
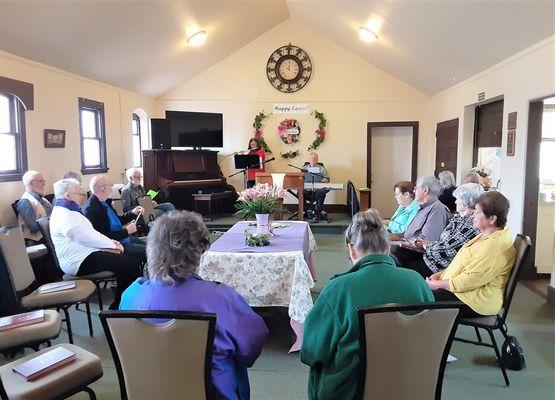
131, 192
32, 206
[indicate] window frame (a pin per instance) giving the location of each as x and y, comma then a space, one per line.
136, 119
17, 129
98, 108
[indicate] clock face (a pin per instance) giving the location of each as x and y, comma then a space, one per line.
289, 69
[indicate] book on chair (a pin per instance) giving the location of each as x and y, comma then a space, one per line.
43, 364
28, 318
56, 287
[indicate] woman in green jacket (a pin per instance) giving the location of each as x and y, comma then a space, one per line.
330, 344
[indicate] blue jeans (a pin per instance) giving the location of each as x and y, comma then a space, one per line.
136, 247
163, 208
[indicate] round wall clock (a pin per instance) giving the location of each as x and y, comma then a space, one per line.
289, 69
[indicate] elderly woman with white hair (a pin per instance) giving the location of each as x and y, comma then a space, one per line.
134, 189
438, 255
175, 244
81, 249
331, 329
448, 185
32, 206
430, 220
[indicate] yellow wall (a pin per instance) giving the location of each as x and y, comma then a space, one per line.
56, 93
349, 90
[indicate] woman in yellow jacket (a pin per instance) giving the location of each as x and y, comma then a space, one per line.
479, 272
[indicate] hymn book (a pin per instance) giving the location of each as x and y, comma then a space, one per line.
56, 287
28, 318
41, 365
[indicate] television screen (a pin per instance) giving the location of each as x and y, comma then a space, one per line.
195, 129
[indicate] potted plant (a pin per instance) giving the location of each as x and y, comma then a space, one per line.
260, 201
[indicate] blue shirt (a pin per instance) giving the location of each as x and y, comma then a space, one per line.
240, 333
403, 217
115, 223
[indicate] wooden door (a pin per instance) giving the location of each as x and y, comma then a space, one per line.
447, 134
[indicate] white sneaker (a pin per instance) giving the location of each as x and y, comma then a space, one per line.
451, 358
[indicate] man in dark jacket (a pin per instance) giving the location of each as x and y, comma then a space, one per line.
98, 209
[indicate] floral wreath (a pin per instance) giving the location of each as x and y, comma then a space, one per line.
286, 130
321, 131
257, 125
290, 154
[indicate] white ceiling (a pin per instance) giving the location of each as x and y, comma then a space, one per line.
140, 45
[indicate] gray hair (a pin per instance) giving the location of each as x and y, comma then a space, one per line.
468, 194
471, 177
174, 246
63, 187
28, 177
130, 172
430, 182
97, 183
73, 175
367, 233
446, 179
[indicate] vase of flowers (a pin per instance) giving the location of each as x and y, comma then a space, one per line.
260, 201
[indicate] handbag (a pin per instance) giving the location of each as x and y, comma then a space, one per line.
512, 355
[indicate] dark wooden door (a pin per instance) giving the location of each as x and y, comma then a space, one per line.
447, 135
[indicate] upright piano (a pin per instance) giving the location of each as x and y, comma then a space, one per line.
178, 174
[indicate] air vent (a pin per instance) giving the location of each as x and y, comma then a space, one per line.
481, 96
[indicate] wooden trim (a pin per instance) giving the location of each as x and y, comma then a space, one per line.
17, 112
22, 90
101, 136
414, 163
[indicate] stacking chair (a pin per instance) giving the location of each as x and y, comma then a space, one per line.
23, 288
404, 349
146, 203
31, 336
167, 360
97, 278
58, 384
492, 323
118, 206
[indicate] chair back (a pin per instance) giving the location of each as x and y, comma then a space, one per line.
522, 245
404, 349
44, 226
117, 206
12, 244
161, 360
353, 204
146, 203
14, 208
9, 302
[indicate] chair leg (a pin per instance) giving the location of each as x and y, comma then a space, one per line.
68, 323
91, 393
99, 295
498, 355
478, 334
89, 319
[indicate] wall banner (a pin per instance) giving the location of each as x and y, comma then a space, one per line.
290, 109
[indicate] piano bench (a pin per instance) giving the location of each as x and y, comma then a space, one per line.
211, 199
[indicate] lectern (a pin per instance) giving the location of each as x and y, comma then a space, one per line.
292, 180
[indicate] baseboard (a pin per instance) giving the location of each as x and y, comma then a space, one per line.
551, 295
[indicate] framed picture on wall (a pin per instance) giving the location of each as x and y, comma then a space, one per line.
54, 138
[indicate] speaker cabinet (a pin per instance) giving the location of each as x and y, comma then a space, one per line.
160, 130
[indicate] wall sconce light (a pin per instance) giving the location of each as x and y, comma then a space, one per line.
197, 38
367, 35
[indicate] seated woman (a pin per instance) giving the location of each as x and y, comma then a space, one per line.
479, 272
447, 183
438, 255
408, 207
174, 247
81, 249
330, 343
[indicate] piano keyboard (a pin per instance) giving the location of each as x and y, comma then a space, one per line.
322, 185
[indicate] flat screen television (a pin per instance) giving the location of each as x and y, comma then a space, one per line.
195, 129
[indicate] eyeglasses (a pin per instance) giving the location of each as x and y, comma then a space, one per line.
39, 180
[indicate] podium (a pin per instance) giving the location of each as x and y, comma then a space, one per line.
291, 181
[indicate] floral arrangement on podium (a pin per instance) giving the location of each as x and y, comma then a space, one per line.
260, 201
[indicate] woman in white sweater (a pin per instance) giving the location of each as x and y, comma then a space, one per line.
81, 250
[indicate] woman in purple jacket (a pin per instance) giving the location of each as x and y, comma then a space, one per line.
174, 247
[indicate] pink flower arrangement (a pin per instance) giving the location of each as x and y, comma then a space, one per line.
284, 126
260, 199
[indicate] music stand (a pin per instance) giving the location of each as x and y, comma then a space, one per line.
244, 162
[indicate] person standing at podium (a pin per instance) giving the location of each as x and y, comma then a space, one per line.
255, 148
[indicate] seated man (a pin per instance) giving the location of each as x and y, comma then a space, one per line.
98, 209
316, 172
430, 220
133, 190
32, 206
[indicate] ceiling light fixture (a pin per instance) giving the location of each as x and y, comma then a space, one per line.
197, 38
366, 34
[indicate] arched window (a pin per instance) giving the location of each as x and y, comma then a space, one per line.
13, 151
136, 134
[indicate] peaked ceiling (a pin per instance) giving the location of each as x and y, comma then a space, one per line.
141, 46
